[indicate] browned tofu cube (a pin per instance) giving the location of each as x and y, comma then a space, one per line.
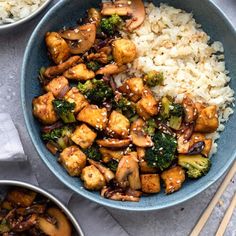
43, 109
21, 197
124, 51
147, 106
207, 121
73, 159
198, 137
83, 136
145, 168
57, 85
150, 183
94, 116
132, 88
173, 179
93, 178
74, 96
79, 72
57, 47
118, 125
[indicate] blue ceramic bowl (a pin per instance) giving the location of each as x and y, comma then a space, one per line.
66, 13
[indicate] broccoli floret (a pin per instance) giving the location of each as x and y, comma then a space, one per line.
175, 122
60, 136
196, 165
126, 107
97, 91
176, 109
93, 153
111, 24
112, 165
150, 126
165, 107
154, 78
85, 87
93, 65
64, 110
163, 152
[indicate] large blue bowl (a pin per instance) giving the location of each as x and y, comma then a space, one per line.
66, 13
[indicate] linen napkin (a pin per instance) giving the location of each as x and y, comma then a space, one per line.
11, 147
93, 219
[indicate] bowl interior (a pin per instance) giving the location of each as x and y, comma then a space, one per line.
66, 13
4, 27
5, 185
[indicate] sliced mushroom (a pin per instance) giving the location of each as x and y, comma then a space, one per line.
128, 169
190, 110
138, 15
120, 7
133, 8
94, 16
109, 154
120, 195
108, 174
138, 135
80, 39
54, 71
114, 143
111, 69
62, 228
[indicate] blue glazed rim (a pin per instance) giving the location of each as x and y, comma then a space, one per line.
94, 198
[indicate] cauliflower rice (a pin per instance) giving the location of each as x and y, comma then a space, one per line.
170, 41
14, 10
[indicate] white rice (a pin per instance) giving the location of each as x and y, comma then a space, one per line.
170, 41
14, 10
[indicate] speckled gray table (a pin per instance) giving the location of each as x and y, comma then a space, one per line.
177, 220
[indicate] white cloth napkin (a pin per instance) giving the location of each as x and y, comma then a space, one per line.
93, 219
11, 147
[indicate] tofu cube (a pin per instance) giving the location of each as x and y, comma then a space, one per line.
43, 109
83, 136
79, 72
74, 96
118, 124
93, 178
145, 168
147, 106
57, 85
207, 121
132, 88
150, 183
73, 159
173, 179
94, 116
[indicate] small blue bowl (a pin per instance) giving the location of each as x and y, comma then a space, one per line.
66, 13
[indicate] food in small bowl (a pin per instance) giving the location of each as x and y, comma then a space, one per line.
123, 117
28, 210
15, 12
197, 73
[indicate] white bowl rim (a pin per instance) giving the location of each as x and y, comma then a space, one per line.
25, 19
45, 193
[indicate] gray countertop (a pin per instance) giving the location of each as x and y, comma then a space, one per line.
177, 220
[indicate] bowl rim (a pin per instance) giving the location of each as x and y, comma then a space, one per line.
94, 198
45, 193
25, 19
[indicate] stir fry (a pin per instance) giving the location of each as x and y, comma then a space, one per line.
24, 212
121, 140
